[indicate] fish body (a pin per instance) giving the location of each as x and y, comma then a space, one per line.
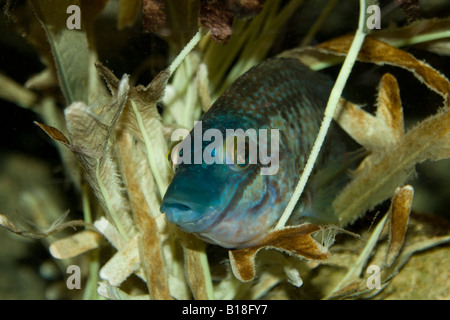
237, 208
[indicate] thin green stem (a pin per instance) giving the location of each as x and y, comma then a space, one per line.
329, 112
418, 38
90, 290
87, 213
186, 50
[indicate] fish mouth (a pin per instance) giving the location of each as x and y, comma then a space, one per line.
185, 217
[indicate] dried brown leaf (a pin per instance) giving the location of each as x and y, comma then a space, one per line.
377, 133
90, 128
399, 214
75, 245
142, 119
430, 139
149, 240
151, 257
390, 108
54, 133
110, 232
194, 252
389, 167
146, 96
110, 78
378, 178
295, 240
153, 92
122, 264
378, 52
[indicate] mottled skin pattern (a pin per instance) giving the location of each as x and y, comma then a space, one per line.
236, 209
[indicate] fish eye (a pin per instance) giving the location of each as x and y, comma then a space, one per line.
240, 158
174, 153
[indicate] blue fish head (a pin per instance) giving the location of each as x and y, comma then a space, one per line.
227, 208
196, 195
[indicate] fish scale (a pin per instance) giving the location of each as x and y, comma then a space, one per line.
237, 208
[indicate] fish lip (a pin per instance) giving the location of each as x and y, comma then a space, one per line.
186, 218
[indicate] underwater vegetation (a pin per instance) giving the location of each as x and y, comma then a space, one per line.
93, 90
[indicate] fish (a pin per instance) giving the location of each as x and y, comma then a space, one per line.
234, 205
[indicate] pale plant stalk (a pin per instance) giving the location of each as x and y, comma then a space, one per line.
191, 94
329, 112
417, 39
185, 65
160, 181
186, 50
